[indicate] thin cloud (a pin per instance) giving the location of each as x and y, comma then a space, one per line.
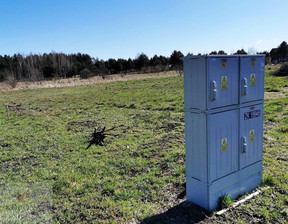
259, 42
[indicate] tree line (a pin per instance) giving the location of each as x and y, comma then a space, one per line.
35, 67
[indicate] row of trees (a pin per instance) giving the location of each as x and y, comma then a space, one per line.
38, 67
279, 54
58, 65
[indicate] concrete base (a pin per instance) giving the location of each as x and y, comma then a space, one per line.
206, 194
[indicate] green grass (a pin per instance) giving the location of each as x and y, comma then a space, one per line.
224, 201
139, 173
130, 178
274, 83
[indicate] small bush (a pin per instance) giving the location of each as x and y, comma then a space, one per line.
85, 73
282, 71
11, 80
224, 201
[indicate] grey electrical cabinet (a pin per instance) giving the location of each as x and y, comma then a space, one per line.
223, 100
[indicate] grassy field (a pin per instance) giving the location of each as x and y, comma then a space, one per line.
48, 175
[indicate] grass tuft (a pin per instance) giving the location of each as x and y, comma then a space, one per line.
268, 180
224, 201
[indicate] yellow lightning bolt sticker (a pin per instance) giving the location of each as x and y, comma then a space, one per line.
224, 145
224, 84
251, 136
253, 79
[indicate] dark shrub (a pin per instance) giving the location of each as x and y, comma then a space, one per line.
282, 71
85, 73
49, 72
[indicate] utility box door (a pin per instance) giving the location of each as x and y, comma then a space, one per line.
223, 144
222, 82
251, 135
195, 80
251, 78
196, 145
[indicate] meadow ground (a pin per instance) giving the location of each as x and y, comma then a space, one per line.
77, 81
48, 175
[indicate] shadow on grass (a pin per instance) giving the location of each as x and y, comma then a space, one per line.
183, 213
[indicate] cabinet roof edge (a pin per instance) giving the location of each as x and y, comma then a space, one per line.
188, 57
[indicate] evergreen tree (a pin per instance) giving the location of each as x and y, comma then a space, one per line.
141, 61
242, 51
176, 58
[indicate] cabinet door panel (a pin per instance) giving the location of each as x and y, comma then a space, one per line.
223, 144
251, 78
251, 134
223, 81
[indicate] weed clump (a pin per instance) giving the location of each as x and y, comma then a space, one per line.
268, 180
98, 136
224, 201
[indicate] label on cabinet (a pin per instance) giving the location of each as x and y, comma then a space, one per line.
224, 146
252, 79
224, 84
252, 114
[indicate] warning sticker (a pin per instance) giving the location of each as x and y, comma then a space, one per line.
224, 84
253, 63
224, 145
224, 64
252, 79
251, 136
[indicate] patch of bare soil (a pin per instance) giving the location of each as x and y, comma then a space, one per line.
285, 90
273, 66
274, 95
72, 82
267, 127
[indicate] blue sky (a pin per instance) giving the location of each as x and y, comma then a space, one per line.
126, 28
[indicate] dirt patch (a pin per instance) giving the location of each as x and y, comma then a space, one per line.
267, 127
268, 140
72, 82
274, 95
272, 66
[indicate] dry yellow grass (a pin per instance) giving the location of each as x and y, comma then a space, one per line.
71, 82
